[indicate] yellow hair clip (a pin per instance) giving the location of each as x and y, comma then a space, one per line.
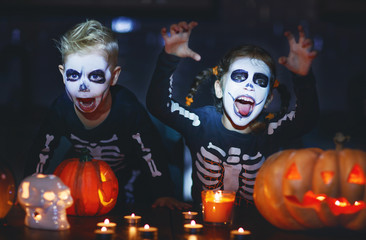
269, 116
189, 101
214, 71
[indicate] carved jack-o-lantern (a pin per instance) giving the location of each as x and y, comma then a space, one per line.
312, 188
93, 185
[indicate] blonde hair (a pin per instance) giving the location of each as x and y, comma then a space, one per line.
89, 36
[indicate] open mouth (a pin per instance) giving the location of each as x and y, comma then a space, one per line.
337, 205
244, 105
86, 104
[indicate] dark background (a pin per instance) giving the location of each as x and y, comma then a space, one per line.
29, 77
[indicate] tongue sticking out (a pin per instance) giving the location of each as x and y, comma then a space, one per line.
244, 108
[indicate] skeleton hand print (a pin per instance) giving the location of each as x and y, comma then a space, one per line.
217, 169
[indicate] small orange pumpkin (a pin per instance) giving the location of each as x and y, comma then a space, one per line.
7, 191
93, 185
311, 188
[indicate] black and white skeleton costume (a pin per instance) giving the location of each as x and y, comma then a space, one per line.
224, 159
127, 140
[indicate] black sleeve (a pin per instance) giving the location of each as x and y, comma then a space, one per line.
45, 143
303, 119
153, 162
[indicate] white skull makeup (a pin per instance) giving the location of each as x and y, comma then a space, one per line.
87, 78
245, 90
45, 199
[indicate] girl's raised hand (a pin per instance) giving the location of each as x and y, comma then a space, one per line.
300, 56
176, 43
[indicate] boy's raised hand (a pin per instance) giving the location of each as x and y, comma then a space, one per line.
300, 56
177, 42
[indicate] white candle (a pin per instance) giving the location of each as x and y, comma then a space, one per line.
104, 233
108, 224
147, 232
240, 234
189, 215
132, 219
193, 227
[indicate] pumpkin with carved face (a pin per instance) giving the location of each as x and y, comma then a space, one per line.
93, 185
312, 188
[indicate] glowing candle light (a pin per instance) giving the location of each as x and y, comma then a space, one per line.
240, 234
147, 232
190, 215
108, 224
217, 206
132, 219
193, 227
104, 233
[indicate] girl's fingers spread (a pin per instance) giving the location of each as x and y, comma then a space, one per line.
308, 43
163, 31
282, 60
192, 24
184, 26
301, 31
289, 36
313, 54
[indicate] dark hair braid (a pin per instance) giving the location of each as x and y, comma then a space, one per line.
203, 76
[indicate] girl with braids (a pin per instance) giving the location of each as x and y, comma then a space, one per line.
230, 142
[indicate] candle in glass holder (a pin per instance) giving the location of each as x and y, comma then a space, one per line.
108, 224
193, 227
240, 234
104, 233
217, 206
147, 232
132, 219
189, 215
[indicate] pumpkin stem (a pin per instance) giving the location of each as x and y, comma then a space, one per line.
339, 139
85, 155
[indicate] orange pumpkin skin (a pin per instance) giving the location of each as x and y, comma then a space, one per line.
311, 188
93, 186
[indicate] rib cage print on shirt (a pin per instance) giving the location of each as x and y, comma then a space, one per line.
233, 170
106, 150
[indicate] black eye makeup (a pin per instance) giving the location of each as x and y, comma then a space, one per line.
72, 75
97, 76
260, 79
239, 75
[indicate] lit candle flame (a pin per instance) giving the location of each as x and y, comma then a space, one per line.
103, 229
320, 198
132, 215
193, 222
106, 221
146, 226
341, 204
241, 230
217, 197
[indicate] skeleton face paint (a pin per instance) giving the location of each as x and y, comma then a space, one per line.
87, 78
245, 90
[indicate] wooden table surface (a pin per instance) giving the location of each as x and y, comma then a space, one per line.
170, 227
